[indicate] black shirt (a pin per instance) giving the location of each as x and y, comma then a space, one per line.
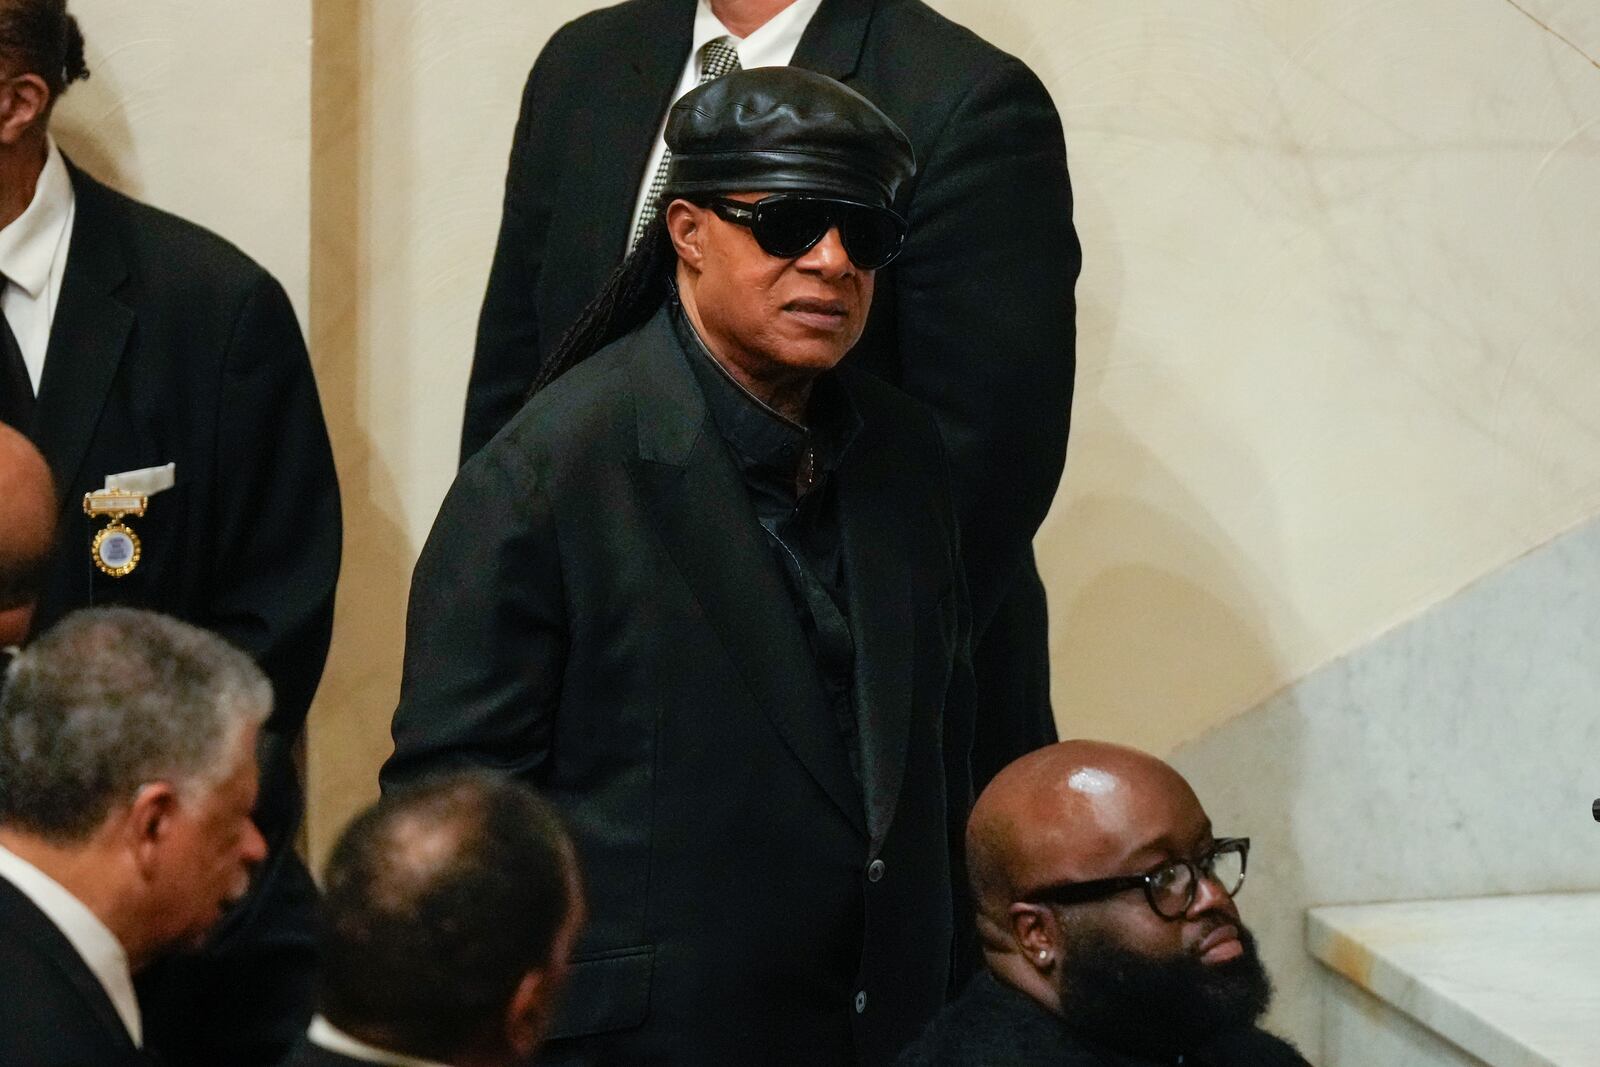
994, 1025
788, 471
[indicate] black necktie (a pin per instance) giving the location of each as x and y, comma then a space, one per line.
16, 388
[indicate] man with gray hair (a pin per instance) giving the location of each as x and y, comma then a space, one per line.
127, 776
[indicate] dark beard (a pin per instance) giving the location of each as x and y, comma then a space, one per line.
1124, 1000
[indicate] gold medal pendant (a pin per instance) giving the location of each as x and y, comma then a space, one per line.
115, 549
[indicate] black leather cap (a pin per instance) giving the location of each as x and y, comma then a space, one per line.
784, 130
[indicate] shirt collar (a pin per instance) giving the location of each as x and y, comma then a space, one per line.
99, 948
324, 1034
28, 246
772, 44
759, 435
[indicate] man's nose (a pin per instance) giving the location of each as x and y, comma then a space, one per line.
1209, 895
827, 257
253, 850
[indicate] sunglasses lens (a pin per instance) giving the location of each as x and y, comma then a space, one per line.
788, 228
871, 238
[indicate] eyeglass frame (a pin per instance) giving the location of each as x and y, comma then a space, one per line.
746, 213
1071, 893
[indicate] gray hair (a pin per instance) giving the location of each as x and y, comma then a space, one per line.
110, 699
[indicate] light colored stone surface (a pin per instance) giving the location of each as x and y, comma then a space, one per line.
202, 107
1512, 980
1454, 757
1362, 1031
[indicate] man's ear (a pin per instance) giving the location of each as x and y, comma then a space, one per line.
24, 100
1036, 935
528, 1013
148, 823
686, 225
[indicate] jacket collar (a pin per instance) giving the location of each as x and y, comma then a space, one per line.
90, 334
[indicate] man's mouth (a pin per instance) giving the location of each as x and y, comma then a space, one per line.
822, 314
1220, 946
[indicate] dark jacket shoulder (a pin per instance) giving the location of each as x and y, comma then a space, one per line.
188, 261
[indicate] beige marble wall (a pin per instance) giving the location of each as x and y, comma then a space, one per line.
203, 107
1337, 331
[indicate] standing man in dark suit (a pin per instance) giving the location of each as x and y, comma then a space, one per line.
705, 593
976, 318
127, 775
146, 355
451, 909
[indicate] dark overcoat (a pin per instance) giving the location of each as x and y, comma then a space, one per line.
596, 611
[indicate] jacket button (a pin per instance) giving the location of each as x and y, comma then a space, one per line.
861, 1002
875, 871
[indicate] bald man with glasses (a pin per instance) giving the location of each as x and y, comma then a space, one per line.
1110, 931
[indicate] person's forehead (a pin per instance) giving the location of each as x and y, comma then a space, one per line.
1110, 824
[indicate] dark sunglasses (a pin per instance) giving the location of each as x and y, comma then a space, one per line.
787, 225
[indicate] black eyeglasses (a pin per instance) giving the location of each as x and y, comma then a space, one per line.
787, 225
1170, 888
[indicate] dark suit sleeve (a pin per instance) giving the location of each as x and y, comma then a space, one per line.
485, 632
277, 541
506, 355
960, 724
986, 313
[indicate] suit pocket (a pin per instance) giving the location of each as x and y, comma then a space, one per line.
606, 991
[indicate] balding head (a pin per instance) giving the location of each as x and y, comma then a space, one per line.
1104, 955
1069, 812
449, 912
27, 530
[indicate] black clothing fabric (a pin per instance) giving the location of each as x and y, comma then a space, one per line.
784, 129
598, 612
16, 387
308, 1055
975, 318
170, 345
787, 470
53, 1010
993, 1025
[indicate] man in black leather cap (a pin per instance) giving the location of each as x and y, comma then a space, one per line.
704, 593
1110, 932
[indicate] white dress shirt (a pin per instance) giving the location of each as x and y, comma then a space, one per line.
99, 948
770, 45
324, 1034
33, 254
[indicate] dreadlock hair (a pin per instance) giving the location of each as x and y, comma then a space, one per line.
39, 37
631, 295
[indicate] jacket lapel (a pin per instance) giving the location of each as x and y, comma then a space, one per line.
89, 335
23, 919
833, 41
879, 585
703, 515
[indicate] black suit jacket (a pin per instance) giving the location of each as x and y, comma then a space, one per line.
170, 345
976, 317
597, 612
53, 1011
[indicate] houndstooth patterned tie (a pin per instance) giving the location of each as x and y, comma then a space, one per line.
717, 57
